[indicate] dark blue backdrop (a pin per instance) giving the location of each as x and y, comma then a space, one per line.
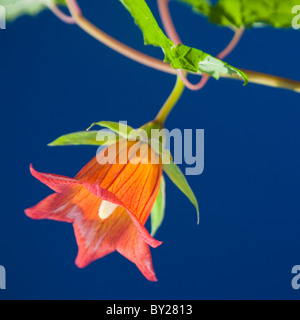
55, 79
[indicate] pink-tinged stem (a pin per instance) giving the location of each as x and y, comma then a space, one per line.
163, 6
75, 7
61, 15
92, 30
114, 44
191, 86
233, 43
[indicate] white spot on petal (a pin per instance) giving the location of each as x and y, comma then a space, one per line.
106, 209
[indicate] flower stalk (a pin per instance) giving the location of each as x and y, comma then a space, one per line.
170, 103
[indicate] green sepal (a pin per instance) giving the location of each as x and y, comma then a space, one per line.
141, 134
118, 127
158, 210
178, 178
84, 138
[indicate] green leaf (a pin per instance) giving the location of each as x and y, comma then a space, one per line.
120, 128
248, 13
84, 138
179, 56
199, 6
17, 8
178, 178
158, 210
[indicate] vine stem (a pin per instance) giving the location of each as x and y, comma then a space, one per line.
61, 15
92, 30
233, 43
163, 6
114, 44
231, 46
170, 103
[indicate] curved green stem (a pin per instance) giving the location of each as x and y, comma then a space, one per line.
171, 102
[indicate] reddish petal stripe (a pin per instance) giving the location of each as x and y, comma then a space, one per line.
108, 196
55, 182
132, 186
132, 246
135, 184
54, 207
145, 235
94, 171
89, 252
97, 238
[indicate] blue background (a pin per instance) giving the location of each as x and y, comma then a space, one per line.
55, 79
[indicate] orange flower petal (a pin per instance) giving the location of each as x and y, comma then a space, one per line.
54, 207
96, 238
133, 187
108, 196
55, 182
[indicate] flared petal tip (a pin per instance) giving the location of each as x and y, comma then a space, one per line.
27, 212
83, 260
81, 264
146, 235
35, 174
31, 213
156, 243
31, 169
152, 278
147, 270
